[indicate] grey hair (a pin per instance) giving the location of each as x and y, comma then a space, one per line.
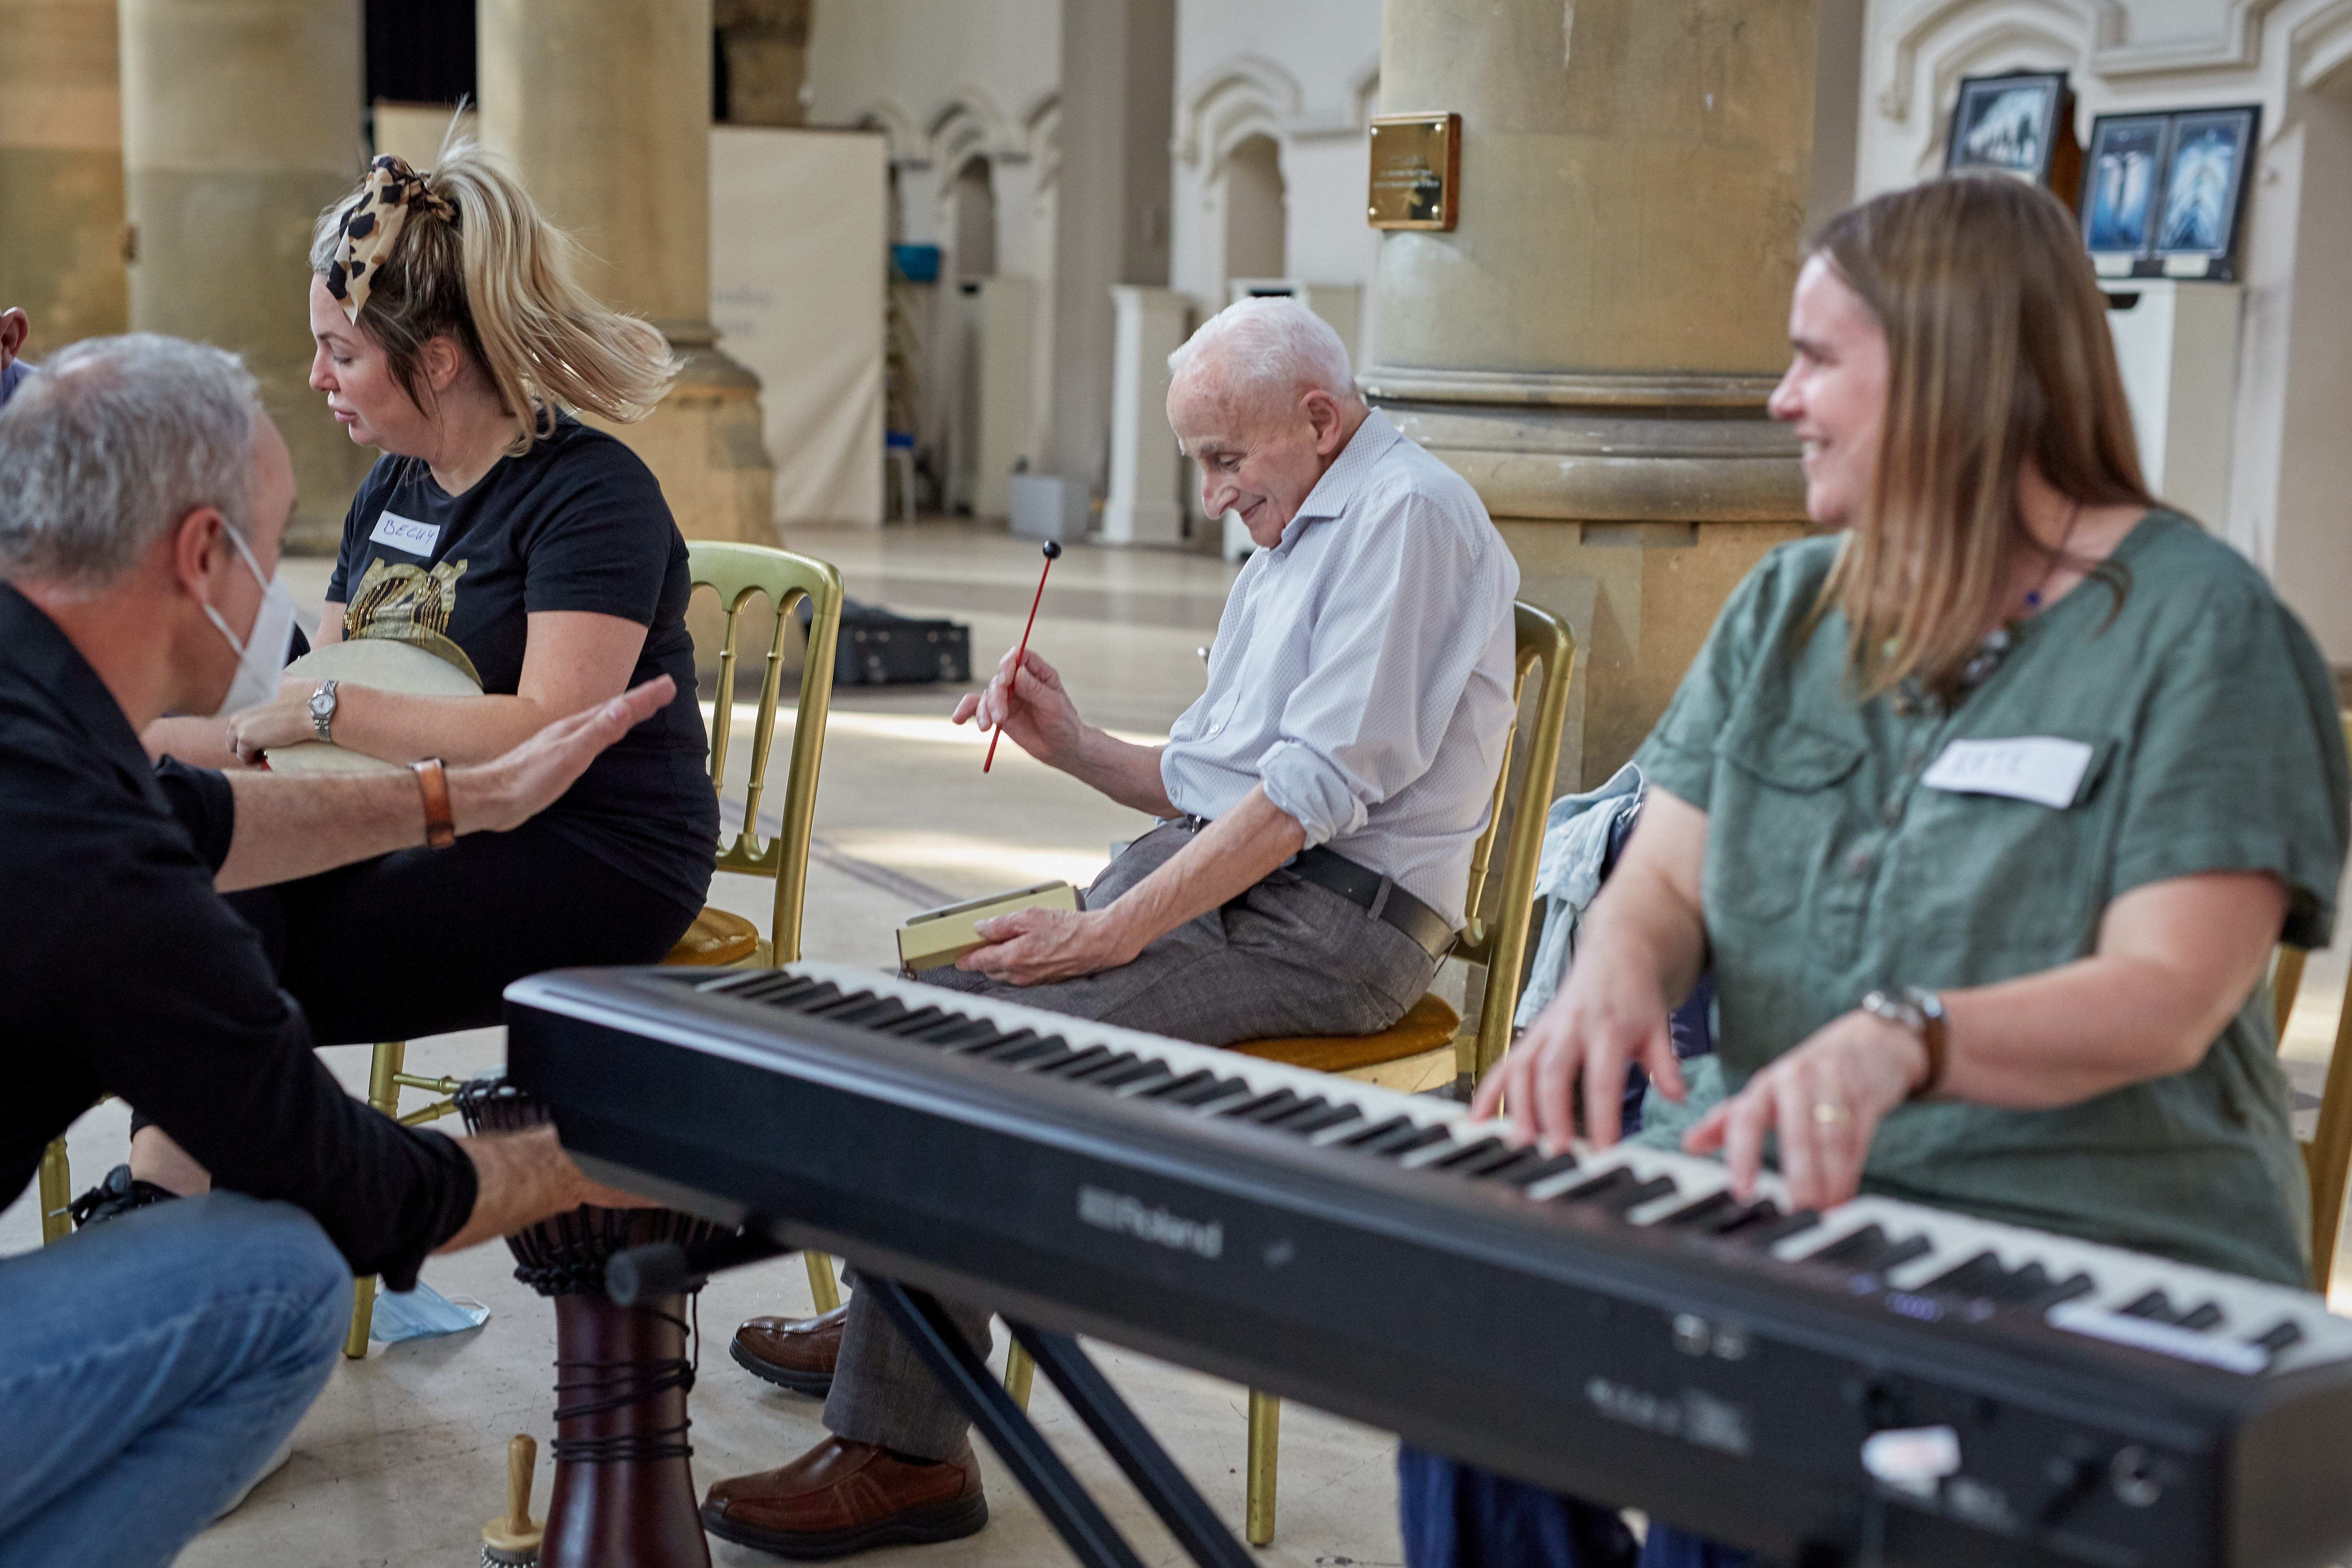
1273, 344
112, 444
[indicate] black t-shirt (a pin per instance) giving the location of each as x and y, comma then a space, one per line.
576, 523
200, 1037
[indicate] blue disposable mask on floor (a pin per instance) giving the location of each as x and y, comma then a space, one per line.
423, 1313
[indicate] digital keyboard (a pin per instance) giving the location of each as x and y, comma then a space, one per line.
1881, 1382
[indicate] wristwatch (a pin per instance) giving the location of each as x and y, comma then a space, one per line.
1922, 1013
322, 711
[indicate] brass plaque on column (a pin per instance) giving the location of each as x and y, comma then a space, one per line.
1416, 171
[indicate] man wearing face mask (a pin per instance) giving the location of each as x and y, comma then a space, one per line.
150, 1365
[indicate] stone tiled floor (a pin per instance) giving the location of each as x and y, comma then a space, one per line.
403, 1457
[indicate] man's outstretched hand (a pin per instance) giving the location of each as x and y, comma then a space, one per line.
507, 791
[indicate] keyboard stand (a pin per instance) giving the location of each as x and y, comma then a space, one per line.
1074, 1515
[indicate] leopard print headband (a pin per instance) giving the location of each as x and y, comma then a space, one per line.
370, 228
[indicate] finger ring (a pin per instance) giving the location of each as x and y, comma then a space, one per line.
1830, 1114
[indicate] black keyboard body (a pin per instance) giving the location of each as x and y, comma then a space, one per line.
1667, 1368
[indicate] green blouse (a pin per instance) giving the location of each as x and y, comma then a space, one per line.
1832, 868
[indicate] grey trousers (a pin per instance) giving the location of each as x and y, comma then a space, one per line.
1285, 958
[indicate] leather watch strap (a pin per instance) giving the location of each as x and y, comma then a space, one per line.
433, 779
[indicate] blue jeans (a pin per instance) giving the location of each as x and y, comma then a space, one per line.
1456, 1516
149, 1366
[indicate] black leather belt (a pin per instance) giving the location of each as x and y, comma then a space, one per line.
1360, 886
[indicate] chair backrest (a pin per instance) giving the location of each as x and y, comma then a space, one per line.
2327, 1154
739, 574
1541, 637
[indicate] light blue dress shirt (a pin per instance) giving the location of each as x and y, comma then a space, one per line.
1362, 671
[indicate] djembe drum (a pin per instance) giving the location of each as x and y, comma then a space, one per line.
624, 1493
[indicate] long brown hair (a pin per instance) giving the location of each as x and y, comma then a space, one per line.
501, 281
1996, 352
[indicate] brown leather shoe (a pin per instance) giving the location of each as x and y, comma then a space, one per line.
841, 1497
798, 1353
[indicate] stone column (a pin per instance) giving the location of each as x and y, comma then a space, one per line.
604, 107
61, 169
1593, 345
240, 124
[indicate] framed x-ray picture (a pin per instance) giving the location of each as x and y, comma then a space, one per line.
2204, 191
2122, 177
2021, 124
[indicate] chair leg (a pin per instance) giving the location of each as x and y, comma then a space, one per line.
823, 1291
1264, 1448
1019, 1370
56, 1193
355, 1341
383, 1093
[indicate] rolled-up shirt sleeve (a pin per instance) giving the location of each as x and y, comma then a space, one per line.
1385, 669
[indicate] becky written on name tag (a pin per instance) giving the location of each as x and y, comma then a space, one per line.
405, 534
2039, 768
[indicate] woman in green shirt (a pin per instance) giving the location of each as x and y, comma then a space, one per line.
2017, 746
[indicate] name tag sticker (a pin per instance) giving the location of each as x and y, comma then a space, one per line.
2039, 768
405, 534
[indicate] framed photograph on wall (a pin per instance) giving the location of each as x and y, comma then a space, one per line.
2204, 191
2122, 177
2021, 124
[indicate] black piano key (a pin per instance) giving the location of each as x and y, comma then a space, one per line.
1209, 1093
1305, 1111
1855, 1249
1015, 1051
1331, 1116
960, 1036
1093, 1073
1708, 1208
1156, 1074
1492, 1155
2018, 1285
1263, 1107
1199, 1078
1624, 1200
1469, 1153
1978, 1276
1074, 1058
2066, 1290
1124, 1073
853, 1008
1396, 1146
2278, 1336
1521, 1160
1766, 1226
1377, 1131
919, 1020
1542, 1169
2203, 1316
2155, 1306
1601, 1186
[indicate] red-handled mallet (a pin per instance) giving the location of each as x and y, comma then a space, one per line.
1052, 550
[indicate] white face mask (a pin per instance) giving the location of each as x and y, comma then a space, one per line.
261, 655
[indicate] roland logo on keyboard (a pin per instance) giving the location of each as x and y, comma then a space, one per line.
1117, 1211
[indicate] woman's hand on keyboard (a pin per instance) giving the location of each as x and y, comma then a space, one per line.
1605, 1017
1825, 1100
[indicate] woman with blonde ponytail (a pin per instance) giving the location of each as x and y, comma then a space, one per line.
528, 551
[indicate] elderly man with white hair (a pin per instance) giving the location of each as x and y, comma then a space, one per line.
1318, 804
150, 1365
